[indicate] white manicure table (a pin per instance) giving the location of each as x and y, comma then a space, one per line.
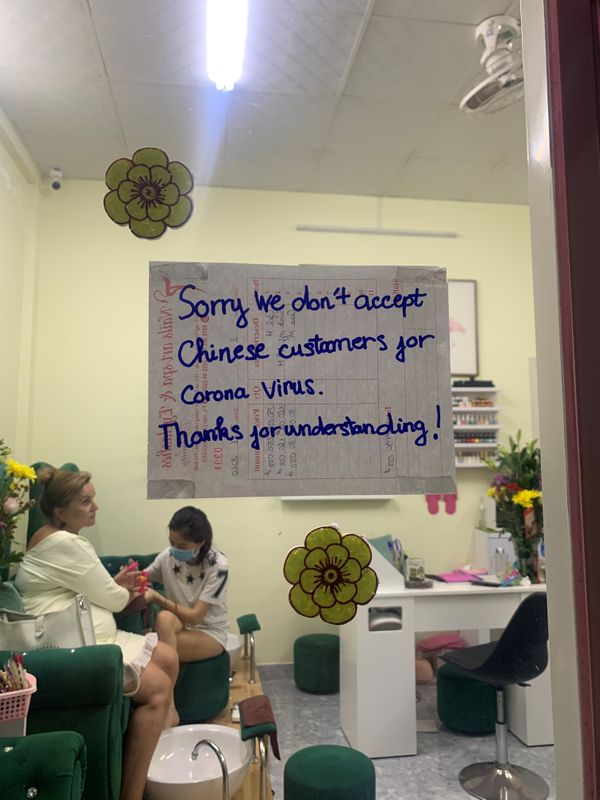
377, 659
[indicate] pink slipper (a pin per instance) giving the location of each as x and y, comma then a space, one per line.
450, 501
433, 502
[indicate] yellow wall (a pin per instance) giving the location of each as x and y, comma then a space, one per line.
90, 367
18, 202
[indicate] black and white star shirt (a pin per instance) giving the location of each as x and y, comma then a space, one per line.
187, 584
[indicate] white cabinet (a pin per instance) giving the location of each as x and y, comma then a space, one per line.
475, 423
529, 710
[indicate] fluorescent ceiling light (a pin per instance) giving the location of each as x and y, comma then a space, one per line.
226, 23
376, 231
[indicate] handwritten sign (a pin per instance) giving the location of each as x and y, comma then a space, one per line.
268, 380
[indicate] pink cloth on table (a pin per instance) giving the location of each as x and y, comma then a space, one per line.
461, 575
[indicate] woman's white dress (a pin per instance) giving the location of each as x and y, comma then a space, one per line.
65, 564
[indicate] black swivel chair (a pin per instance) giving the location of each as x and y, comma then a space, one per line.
519, 655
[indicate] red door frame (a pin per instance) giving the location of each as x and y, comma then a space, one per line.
573, 47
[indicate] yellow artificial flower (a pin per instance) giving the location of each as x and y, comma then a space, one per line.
526, 497
491, 492
20, 470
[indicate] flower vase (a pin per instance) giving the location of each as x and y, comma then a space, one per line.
4, 559
527, 560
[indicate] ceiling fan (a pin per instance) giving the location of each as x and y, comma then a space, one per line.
501, 39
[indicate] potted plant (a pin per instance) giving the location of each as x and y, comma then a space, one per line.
517, 489
15, 480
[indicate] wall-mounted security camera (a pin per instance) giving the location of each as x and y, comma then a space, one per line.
56, 176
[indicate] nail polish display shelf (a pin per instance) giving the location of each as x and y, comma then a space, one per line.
475, 422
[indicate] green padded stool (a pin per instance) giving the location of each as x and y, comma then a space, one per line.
464, 704
317, 663
202, 688
329, 772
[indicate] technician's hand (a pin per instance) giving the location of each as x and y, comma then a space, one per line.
152, 596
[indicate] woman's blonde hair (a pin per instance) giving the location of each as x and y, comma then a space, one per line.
60, 488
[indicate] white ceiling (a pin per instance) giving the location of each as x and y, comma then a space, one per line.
343, 96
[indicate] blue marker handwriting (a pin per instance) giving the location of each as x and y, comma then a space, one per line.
408, 344
270, 302
175, 437
216, 305
275, 388
345, 427
192, 396
316, 346
267, 303
192, 352
197, 351
218, 433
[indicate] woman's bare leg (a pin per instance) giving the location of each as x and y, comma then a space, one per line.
167, 659
167, 626
191, 645
151, 707
196, 645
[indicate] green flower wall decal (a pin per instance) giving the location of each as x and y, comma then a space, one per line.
149, 193
330, 575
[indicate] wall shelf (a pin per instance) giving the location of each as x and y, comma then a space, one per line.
474, 389
476, 427
474, 414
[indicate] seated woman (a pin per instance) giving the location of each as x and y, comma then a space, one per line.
59, 564
195, 577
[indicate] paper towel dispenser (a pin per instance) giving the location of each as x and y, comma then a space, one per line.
385, 618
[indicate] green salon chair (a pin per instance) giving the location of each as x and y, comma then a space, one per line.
81, 690
9, 596
51, 765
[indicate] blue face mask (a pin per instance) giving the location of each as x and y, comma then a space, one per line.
182, 555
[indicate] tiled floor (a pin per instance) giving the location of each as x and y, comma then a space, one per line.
304, 719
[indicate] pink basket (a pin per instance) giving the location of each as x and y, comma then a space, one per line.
15, 705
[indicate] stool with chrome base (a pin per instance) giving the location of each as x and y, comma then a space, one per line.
520, 655
257, 722
247, 624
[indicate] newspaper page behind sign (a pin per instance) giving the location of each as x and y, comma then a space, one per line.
280, 380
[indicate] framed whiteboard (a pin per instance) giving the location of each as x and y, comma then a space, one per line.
462, 308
